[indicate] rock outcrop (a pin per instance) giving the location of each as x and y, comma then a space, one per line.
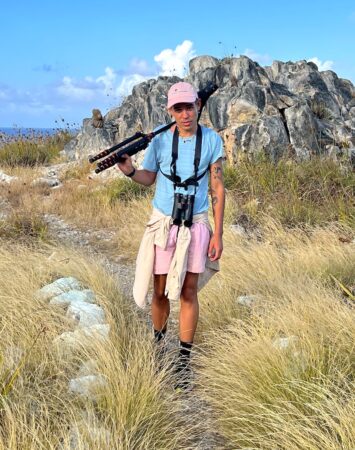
90, 140
289, 107
91, 328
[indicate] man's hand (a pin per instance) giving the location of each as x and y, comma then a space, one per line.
215, 248
126, 167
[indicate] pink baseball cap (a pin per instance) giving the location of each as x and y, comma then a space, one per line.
181, 93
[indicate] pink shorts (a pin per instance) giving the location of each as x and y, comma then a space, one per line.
200, 238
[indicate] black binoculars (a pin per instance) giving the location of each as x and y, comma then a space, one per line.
183, 209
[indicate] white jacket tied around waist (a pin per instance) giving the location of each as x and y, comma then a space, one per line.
157, 233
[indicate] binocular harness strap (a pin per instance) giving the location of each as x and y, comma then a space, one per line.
192, 181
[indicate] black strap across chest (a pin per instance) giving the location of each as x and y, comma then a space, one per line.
193, 180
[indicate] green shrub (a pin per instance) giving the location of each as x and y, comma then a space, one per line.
311, 192
124, 190
23, 225
33, 150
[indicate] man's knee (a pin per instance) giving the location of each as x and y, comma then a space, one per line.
189, 294
189, 289
160, 295
159, 288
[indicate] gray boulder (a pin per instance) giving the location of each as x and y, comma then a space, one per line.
73, 296
287, 106
88, 386
283, 343
247, 300
58, 287
90, 140
302, 129
82, 338
6, 179
86, 314
50, 182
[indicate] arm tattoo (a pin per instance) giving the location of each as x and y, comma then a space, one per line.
217, 173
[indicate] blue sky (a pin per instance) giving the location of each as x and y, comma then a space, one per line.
61, 59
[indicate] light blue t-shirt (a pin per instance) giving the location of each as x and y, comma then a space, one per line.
158, 155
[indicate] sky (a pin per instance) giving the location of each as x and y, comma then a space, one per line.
59, 60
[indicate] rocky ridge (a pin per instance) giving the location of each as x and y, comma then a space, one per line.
287, 108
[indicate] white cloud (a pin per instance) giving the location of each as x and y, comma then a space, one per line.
88, 88
75, 97
128, 82
72, 89
175, 62
110, 84
139, 66
170, 62
108, 80
326, 65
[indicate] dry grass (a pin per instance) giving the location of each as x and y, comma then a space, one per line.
135, 408
24, 219
30, 151
280, 263
261, 397
313, 192
119, 206
264, 397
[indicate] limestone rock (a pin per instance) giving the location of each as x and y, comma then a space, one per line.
283, 343
239, 230
88, 386
86, 314
90, 141
58, 287
50, 182
302, 129
73, 296
287, 106
81, 338
246, 300
88, 367
6, 178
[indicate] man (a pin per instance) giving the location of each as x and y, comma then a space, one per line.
179, 160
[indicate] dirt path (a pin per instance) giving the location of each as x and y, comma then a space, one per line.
72, 236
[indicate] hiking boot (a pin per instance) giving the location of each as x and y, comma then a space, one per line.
183, 377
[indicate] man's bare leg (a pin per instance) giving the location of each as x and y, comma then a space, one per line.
189, 308
160, 303
189, 311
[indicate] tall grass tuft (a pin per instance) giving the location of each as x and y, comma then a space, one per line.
309, 192
31, 151
123, 190
135, 408
25, 226
280, 373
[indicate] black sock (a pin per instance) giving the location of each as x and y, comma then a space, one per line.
184, 355
159, 334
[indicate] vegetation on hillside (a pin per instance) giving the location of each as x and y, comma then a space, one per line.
31, 150
278, 373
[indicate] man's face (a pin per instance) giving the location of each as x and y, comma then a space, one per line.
185, 115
